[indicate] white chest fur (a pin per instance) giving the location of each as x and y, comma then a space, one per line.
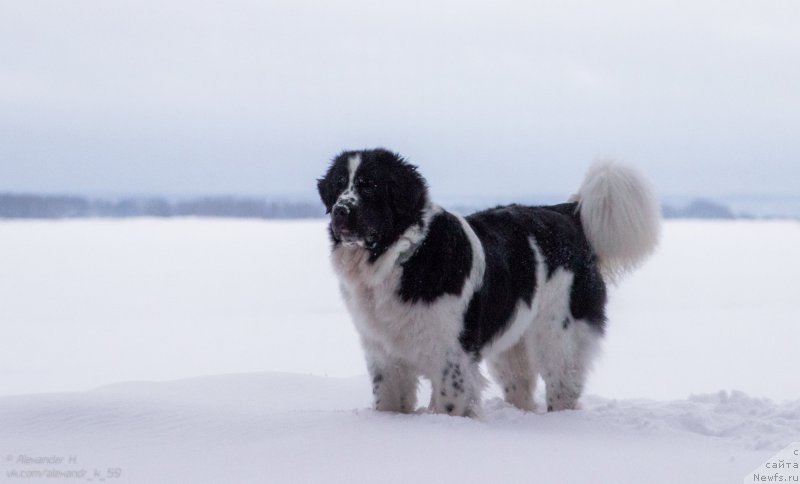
414, 332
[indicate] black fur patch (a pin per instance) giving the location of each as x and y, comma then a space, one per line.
440, 265
509, 276
510, 267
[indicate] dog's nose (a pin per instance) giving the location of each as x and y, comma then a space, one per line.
340, 216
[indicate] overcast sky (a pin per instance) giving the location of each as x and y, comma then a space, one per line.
489, 98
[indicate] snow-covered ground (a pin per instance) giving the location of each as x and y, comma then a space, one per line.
238, 364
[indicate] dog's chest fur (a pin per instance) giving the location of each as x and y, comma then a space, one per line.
412, 330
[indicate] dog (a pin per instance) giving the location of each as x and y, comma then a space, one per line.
432, 293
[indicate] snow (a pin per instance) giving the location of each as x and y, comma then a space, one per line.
275, 427
238, 364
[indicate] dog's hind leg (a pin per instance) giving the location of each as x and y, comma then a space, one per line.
514, 371
565, 357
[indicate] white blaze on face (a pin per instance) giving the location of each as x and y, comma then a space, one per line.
349, 197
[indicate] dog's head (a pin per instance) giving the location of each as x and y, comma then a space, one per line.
372, 197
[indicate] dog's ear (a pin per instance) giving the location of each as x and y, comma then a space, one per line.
407, 193
325, 189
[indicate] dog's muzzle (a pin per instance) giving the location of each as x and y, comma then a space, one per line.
340, 221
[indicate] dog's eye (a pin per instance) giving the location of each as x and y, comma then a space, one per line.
366, 187
341, 181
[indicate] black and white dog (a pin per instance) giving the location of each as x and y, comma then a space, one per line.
433, 293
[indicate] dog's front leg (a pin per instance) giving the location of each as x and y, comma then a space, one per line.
457, 386
394, 383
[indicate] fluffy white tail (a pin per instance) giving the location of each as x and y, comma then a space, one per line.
620, 215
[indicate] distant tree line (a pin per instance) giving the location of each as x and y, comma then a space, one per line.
57, 207
697, 209
701, 208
